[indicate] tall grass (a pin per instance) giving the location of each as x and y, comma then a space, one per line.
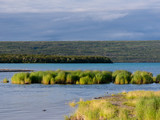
95, 110
123, 78
148, 108
20, 78
61, 77
72, 78
85, 80
83, 77
142, 77
158, 79
48, 79
115, 73
145, 106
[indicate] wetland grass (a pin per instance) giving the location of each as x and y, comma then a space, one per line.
134, 105
142, 77
84, 77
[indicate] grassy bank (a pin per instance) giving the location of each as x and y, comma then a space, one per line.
85, 77
135, 105
117, 51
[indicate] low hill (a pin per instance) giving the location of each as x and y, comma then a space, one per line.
117, 51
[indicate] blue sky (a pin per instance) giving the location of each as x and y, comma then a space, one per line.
55, 20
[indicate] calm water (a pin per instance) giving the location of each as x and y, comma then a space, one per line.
27, 102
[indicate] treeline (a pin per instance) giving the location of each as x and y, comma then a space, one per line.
52, 59
85, 77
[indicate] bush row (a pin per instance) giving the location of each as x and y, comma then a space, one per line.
85, 77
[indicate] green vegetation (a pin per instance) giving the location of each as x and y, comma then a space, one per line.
121, 77
142, 77
52, 59
5, 80
63, 77
134, 105
117, 51
157, 79
84, 77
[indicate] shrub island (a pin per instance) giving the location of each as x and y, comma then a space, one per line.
134, 105
84, 77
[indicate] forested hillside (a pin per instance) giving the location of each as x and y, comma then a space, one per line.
117, 51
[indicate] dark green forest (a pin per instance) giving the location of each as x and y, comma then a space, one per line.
117, 51
52, 59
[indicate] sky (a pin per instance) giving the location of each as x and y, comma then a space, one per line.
79, 20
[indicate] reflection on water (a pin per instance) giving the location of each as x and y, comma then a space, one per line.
27, 102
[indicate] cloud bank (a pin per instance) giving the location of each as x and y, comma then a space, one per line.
79, 20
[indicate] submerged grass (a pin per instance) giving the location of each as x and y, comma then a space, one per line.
135, 105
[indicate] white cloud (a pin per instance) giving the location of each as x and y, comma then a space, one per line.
95, 9
14, 6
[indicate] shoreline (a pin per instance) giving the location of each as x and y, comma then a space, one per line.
15, 70
132, 105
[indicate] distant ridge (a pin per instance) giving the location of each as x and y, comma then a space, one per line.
117, 51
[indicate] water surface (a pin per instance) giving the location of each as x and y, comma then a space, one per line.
27, 102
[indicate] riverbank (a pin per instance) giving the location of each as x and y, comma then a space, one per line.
15, 70
134, 105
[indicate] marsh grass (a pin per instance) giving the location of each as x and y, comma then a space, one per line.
85, 80
61, 77
142, 77
20, 78
123, 78
115, 73
134, 105
72, 79
148, 108
157, 79
84, 77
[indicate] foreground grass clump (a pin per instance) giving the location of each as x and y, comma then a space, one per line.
135, 105
142, 77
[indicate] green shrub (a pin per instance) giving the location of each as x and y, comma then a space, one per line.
85, 80
122, 78
142, 77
